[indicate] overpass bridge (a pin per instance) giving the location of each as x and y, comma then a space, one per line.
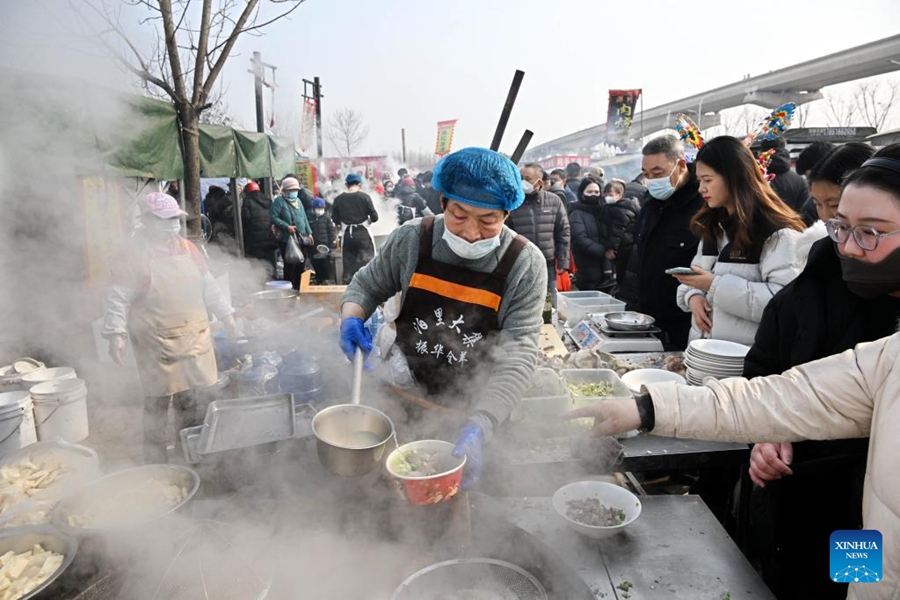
800, 83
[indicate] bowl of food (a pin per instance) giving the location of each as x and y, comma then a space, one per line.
427, 471
126, 500
596, 509
31, 558
640, 377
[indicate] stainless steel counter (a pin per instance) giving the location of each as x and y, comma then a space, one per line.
676, 549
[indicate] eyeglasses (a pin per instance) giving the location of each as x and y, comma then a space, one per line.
866, 236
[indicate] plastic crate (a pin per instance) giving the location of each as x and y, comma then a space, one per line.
572, 307
545, 400
620, 390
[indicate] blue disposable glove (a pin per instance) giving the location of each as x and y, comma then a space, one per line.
354, 335
470, 444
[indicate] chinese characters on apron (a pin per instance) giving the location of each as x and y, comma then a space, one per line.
449, 320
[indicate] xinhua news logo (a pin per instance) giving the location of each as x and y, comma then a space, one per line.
856, 556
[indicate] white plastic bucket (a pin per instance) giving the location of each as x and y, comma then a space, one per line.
60, 410
42, 375
279, 285
16, 422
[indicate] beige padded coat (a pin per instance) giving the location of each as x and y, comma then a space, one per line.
849, 395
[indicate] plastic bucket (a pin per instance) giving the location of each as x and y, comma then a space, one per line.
60, 410
303, 379
42, 375
16, 422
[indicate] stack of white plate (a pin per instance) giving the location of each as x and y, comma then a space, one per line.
714, 358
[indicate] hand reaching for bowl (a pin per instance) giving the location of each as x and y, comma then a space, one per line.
769, 462
611, 417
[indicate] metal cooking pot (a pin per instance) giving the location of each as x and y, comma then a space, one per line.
272, 303
351, 438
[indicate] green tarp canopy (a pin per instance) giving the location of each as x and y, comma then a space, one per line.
224, 152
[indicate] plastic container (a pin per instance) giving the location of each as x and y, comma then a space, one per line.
544, 401
60, 410
42, 375
430, 489
578, 376
572, 307
16, 422
278, 285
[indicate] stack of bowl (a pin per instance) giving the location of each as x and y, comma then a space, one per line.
719, 359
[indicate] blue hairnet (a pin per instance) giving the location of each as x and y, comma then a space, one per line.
479, 177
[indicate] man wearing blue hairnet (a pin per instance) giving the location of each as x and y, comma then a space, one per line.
472, 293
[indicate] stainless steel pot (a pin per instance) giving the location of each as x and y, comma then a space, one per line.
272, 303
351, 438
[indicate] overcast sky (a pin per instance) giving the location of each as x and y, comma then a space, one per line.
411, 63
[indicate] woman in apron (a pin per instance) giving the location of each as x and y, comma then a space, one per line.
472, 296
161, 290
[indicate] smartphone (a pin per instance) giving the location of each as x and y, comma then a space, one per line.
680, 271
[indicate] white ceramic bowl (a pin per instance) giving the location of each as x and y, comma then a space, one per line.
608, 494
635, 379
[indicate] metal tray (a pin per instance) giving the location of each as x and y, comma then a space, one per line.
243, 422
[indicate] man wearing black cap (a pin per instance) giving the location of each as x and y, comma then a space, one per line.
353, 212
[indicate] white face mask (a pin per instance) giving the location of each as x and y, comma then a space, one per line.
610, 199
661, 188
163, 228
319, 212
527, 188
470, 250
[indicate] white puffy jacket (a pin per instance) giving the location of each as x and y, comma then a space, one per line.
741, 290
850, 395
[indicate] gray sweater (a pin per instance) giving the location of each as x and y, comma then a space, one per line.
520, 310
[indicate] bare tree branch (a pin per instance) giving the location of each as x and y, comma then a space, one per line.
229, 44
202, 44
165, 7
839, 111
874, 100
346, 131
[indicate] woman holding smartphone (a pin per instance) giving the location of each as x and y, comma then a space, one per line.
747, 250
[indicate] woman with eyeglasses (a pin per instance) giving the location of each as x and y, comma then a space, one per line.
748, 245
809, 489
846, 396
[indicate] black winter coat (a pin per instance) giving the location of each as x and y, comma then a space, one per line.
636, 190
789, 186
256, 221
543, 220
323, 230
814, 316
432, 199
662, 240
617, 229
587, 245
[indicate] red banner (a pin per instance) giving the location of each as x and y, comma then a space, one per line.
444, 137
619, 115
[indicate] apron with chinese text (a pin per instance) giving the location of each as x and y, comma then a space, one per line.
169, 329
449, 321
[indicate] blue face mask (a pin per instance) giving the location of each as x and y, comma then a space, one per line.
662, 188
293, 194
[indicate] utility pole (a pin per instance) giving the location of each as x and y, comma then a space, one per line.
403, 141
316, 97
259, 80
